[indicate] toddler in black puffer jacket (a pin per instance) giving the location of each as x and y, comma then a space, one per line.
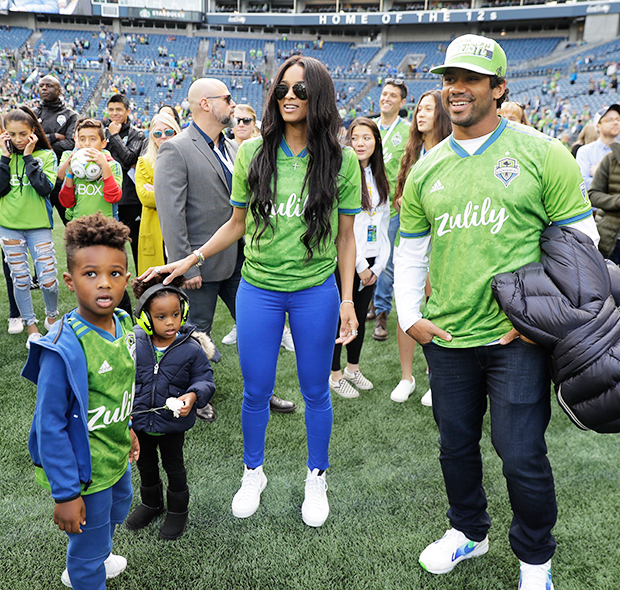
173, 378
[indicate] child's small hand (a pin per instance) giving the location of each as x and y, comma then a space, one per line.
69, 516
96, 156
190, 399
32, 142
134, 452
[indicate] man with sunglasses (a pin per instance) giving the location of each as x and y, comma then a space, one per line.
481, 199
193, 180
394, 135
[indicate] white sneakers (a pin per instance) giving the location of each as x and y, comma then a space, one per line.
48, 325
16, 326
427, 399
403, 390
343, 388
247, 499
441, 556
287, 339
33, 338
535, 577
315, 508
231, 337
114, 565
358, 380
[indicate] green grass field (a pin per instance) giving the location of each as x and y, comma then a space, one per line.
385, 490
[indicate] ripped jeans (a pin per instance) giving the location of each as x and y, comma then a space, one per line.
41, 246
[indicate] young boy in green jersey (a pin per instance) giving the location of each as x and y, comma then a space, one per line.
84, 369
84, 197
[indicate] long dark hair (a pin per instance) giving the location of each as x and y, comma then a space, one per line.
376, 163
24, 114
442, 127
324, 152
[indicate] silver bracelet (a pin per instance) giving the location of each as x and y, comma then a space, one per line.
346, 301
199, 257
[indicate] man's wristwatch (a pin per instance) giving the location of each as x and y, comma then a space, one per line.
199, 257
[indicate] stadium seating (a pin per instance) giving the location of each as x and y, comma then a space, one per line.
178, 47
14, 38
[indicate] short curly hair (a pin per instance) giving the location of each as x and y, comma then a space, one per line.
94, 230
139, 287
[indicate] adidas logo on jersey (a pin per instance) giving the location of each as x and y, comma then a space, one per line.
105, 368
437, 187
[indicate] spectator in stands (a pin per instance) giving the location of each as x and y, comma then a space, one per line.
151, 244
246, 128
125, 145
607, 122
587, 135
394, 135
58, 122
513, 111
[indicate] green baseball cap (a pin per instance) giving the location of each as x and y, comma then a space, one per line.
474, 53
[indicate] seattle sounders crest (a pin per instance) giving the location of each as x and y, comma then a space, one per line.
507, 170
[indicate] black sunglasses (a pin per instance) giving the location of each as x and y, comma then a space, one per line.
226, 97
245, 120
394, 82
281, 90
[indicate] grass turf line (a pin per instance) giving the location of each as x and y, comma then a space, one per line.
385, 489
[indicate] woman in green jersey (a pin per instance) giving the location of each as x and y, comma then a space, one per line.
27, 177
302, 191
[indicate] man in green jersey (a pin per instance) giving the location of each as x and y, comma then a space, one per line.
394, 135
482, 198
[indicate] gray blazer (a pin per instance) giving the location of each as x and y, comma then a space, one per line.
193, 201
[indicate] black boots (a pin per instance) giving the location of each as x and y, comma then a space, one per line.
152, 506
176, 521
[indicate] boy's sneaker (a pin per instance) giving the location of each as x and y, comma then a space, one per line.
287, 339
231, 337
403, 390
441, 556
33, 338
358, 380
48, 325
16, 326
427, 399
535, 577
247, 499
343, 388
114, 565
315, 508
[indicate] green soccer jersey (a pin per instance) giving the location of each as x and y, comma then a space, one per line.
278, 261
89, 194
394, 139
23, 207
111, 386
485, 214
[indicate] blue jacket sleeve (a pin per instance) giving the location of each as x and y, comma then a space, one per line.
52, 415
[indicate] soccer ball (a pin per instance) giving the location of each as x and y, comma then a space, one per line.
83, 167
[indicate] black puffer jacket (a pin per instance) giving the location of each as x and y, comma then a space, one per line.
183, 368
568, 304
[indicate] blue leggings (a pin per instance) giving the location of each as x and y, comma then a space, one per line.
89, 549
313, 317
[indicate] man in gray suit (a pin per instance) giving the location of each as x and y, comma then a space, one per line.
193, 180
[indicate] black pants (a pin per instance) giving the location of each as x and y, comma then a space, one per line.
130, 216
56, 201
361, 302
13, 309
171, 449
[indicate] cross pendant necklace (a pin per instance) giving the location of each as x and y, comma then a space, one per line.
295, 165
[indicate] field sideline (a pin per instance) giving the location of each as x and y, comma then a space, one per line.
385, 489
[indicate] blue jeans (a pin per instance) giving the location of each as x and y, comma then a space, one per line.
41, 246
89, 549
515, 379
202, 301
385, 282
313, 316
